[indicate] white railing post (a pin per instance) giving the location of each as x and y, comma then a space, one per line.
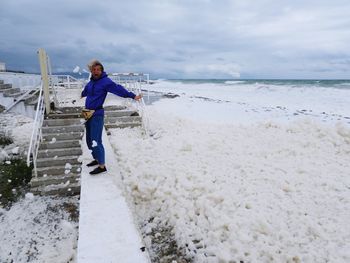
44, 78
36, 132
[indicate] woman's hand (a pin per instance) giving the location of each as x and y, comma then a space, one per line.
138, 97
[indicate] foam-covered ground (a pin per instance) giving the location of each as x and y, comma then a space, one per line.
255, 173
258, 189
39, 229
255, 193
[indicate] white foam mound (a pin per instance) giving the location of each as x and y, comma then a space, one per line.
37, 230
264, 192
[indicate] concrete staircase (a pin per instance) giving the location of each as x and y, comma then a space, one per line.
12, 94
59, 162
9, 91
121, 117
32, 98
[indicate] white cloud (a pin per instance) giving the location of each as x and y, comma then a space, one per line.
224, 70
179, 38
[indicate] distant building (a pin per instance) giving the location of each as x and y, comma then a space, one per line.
2, 66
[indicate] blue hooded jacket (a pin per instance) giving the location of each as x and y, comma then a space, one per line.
96, 91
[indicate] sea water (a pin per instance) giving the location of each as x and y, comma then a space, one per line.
342, 84
257, 100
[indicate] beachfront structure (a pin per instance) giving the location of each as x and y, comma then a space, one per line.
130, 77
2, 66
57, 155
41, 97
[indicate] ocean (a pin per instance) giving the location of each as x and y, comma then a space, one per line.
327, 83
257, 100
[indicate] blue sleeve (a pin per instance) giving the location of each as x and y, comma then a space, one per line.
119, 90
84, 92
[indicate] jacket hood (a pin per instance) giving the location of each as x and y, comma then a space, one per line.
103, 75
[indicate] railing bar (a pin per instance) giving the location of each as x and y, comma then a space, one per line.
38, 109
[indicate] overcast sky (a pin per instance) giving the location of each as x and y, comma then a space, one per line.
181, 38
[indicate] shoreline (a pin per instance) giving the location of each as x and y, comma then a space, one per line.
227, 173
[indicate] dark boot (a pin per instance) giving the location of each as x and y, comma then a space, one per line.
93, 163
98, 170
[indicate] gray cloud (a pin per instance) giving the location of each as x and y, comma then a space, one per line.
182, 39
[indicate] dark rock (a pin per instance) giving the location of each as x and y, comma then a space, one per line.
170, 95
14, 179
164, 247
4, 140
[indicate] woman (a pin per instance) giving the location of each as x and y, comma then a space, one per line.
95, 92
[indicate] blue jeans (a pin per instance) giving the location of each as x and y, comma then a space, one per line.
94, 128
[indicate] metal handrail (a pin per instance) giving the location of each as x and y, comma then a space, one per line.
18, 100
36, 132
132, 82
140, 105
21, 80
67, 81
28, 80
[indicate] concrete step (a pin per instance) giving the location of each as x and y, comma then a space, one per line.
62, 122
49, 137
31, 97
15, 95
79, 109
60, 189
8, 92
117, 113
114, 108
59, 160
123, 125
69, 109
5, 87
33, 101
57, 170
56, 179
129, 119
59, 152
58, 115
121, 113
60, 144
63, 129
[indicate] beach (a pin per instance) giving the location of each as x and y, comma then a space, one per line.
239, 151
243, 173
231, 171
